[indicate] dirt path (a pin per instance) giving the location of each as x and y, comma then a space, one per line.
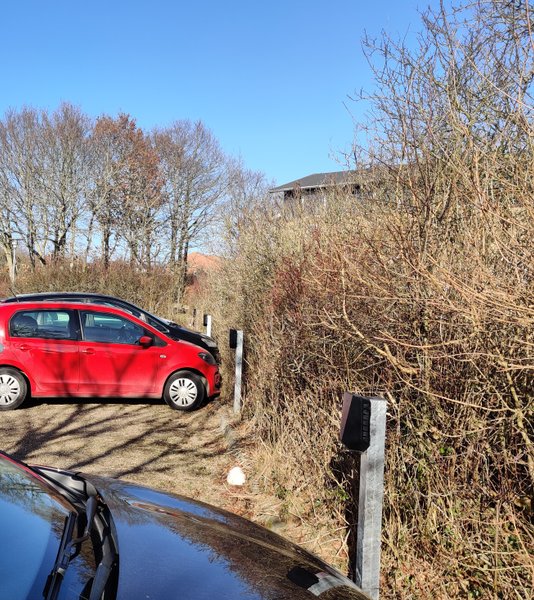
141, 441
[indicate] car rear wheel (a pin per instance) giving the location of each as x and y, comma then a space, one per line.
13, 388
184, 391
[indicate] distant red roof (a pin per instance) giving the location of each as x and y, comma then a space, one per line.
202, 262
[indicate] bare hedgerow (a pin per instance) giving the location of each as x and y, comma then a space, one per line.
422, 290
153, 290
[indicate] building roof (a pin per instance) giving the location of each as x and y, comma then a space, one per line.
317, 180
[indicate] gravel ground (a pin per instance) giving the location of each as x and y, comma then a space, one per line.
138, 440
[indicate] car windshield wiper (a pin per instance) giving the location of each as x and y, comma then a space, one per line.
98, 517
69, 547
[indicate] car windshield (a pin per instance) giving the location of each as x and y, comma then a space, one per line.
153, 321
156, 323
32, 519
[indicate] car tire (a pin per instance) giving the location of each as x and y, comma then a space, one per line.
184, 391
13, 388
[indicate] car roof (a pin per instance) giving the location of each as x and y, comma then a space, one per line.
28, 296
43, 305
66, 304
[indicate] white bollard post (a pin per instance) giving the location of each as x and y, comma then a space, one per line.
13, 273
369, 532
236, 341
207, 324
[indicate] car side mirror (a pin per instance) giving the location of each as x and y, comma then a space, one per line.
145, 341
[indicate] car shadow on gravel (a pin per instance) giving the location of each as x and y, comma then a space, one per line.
31, 403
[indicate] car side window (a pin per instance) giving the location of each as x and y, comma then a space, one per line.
109, 328
43, 324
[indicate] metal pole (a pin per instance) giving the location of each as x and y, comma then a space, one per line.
370, 503
238, 371
13, 273
207, 320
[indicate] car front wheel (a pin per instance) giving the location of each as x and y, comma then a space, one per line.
184, 391
13, 388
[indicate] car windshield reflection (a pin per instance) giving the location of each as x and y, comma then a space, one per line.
31, 525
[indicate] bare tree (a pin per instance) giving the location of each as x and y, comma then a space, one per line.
247, 196
65, 169
21, 193
7, 227
127, 188
193, 168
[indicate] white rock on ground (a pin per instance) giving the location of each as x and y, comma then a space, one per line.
236, 476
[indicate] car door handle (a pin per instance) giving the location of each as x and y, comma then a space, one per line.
23, 347
87, 351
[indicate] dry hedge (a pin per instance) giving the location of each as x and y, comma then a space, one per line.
344, 299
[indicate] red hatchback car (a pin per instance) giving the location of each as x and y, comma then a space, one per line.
70, 349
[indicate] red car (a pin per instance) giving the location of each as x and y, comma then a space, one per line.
71, 349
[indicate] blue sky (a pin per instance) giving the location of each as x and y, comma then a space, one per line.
271, 80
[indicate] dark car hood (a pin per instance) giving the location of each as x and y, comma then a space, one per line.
172, 547
181, 330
